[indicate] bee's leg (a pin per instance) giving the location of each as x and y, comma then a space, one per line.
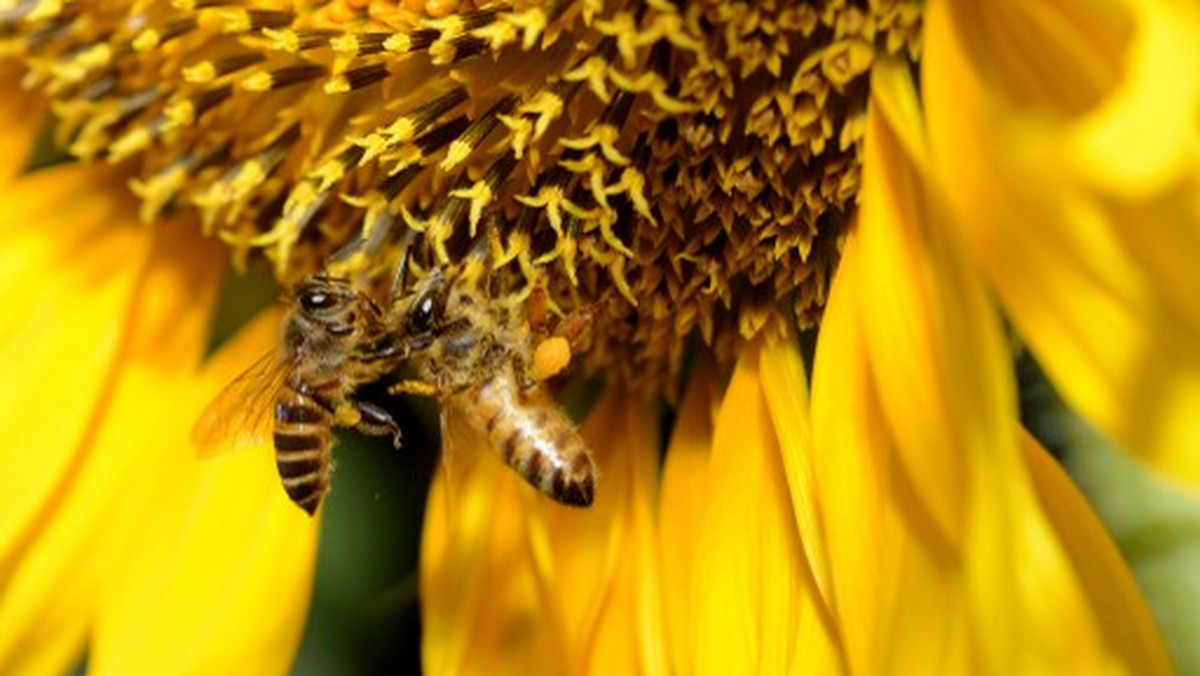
376, 422
419, 387
537, 310
552, 354
574, 326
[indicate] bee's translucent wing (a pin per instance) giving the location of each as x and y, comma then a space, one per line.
242, 414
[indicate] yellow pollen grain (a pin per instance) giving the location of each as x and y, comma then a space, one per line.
521, 129
301, 197
498, 35
251, 174
336, 85
606, 137
455, 155
90, 59
398, 43
181, 113
440, 230
328, 173
230, 20
548, 106
443, 52
411, 220
373, 146
633, 184
44, 9
258, 82
283, 39
624, 28
135, 141
450, 26
593, 71
345, 44
146, 40
402, 130
532, 23
404, 157
200, 73
158, 191
480, 194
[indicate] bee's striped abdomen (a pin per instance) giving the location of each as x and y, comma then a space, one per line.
303, 439
536, 439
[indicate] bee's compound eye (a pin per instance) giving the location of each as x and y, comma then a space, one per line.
316, 299
424, 314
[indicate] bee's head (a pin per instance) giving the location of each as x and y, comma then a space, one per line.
325, 308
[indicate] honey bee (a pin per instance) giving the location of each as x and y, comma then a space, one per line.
334, 339
475, 355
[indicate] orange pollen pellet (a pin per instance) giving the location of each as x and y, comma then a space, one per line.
551, 357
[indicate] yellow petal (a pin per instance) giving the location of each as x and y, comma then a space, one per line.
1109, 591
785, 386
1077, 197
509, 577
910, 275
119, 527
683, 499
886, 577
213, 571
481, 604
755, 603
69, 286
605, 558
981, 590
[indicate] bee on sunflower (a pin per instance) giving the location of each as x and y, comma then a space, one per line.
705, 180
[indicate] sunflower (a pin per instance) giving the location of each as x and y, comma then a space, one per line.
707, 180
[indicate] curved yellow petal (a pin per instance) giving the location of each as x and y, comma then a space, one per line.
755, 602
213, 571
888, 566
116, 528
683, 498
605, 566
1109, 591
69, 289
1077, 196
785, 385
942, 558
480, 599
508, 577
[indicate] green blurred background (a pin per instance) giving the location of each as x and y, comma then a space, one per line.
364, 618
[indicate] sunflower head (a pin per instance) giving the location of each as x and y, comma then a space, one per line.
683, 168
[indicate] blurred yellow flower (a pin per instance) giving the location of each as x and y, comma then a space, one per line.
1068, 133
727, 170
116, 538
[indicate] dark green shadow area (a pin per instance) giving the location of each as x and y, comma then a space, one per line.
365, 617
45, 152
